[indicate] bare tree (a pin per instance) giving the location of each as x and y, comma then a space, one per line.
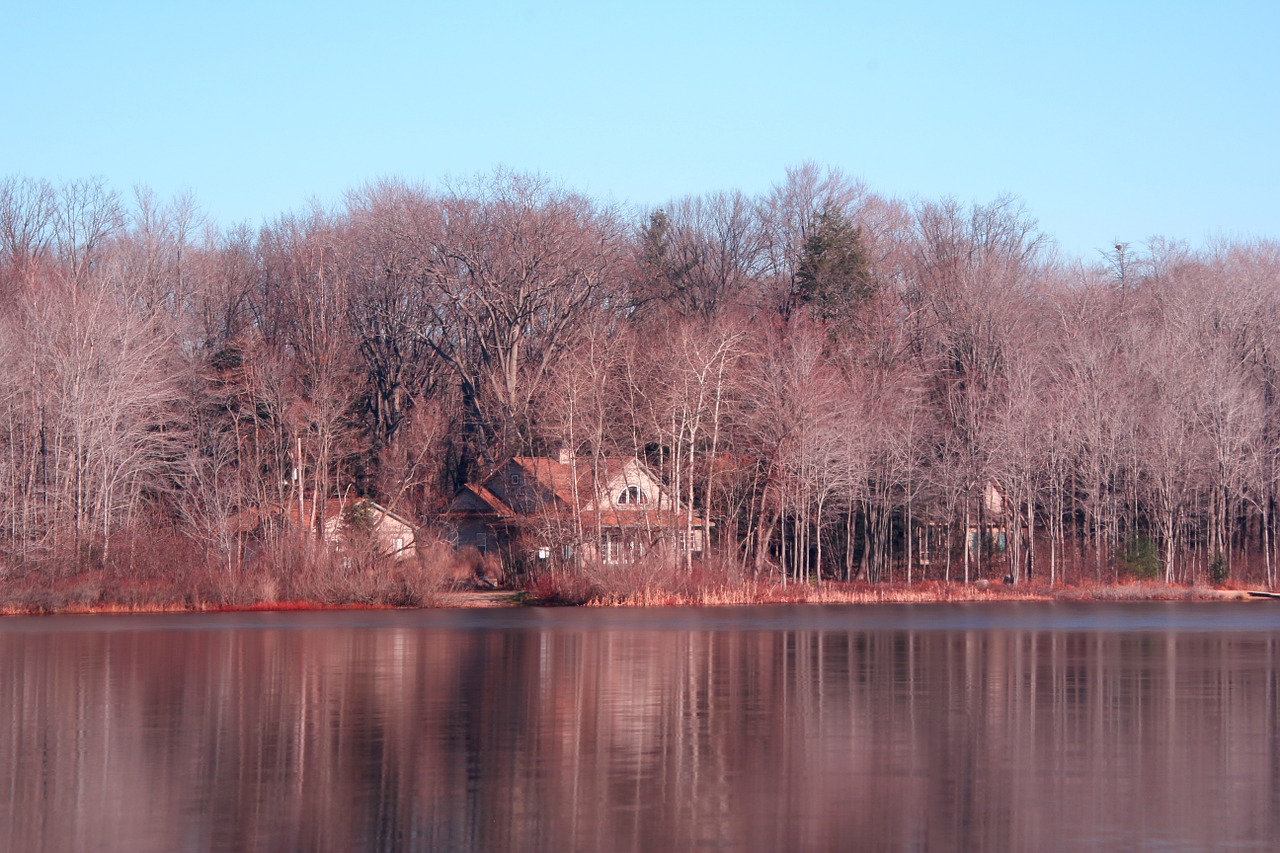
701, 257
393, 226
972, 269
304, 279
27, 209
685, 400
518, 266
99, 402
154, 253
1172, 453
87, 214
804, 445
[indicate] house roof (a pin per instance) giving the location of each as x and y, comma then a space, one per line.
580, 484
334, 508
489, 499
383, 511
589, 475
558, 477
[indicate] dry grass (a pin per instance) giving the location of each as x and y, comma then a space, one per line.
158, 575
154, 574
1145, 590
752, 591
705, 590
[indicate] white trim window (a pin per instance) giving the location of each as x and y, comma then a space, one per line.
632, 495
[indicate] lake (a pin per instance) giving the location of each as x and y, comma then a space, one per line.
1002, 726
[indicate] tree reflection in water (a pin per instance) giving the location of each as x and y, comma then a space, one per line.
785, 729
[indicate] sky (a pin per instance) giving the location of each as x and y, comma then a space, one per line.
1111, 121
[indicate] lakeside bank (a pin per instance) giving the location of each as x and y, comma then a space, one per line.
746, 593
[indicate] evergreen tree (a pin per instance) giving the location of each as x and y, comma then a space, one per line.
833, 278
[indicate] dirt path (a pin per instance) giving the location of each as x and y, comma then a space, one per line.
481, 598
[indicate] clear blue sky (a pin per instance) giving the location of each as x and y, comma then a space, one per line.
1108, 119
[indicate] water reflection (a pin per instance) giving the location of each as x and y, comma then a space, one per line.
799, 729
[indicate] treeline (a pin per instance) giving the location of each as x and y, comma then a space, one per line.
847, 385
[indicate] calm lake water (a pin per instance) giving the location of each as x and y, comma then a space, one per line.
1010, 727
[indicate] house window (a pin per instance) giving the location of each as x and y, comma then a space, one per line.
515, 478
631, 495
689, 541
610, 547
616, 547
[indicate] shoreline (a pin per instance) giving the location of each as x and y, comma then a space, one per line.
745, 596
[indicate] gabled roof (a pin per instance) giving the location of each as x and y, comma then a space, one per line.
334, 508
591, 476
584, 485
569, 482
489, 499
252, 518
383, 511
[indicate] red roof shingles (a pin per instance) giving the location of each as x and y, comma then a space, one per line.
490, 499
593, 477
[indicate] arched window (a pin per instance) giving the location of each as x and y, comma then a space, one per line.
631, 495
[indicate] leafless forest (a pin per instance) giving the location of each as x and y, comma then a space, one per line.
848, 385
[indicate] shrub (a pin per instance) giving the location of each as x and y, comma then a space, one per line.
559, 588
644, 581
1218, 571
470, 565
1140, 558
